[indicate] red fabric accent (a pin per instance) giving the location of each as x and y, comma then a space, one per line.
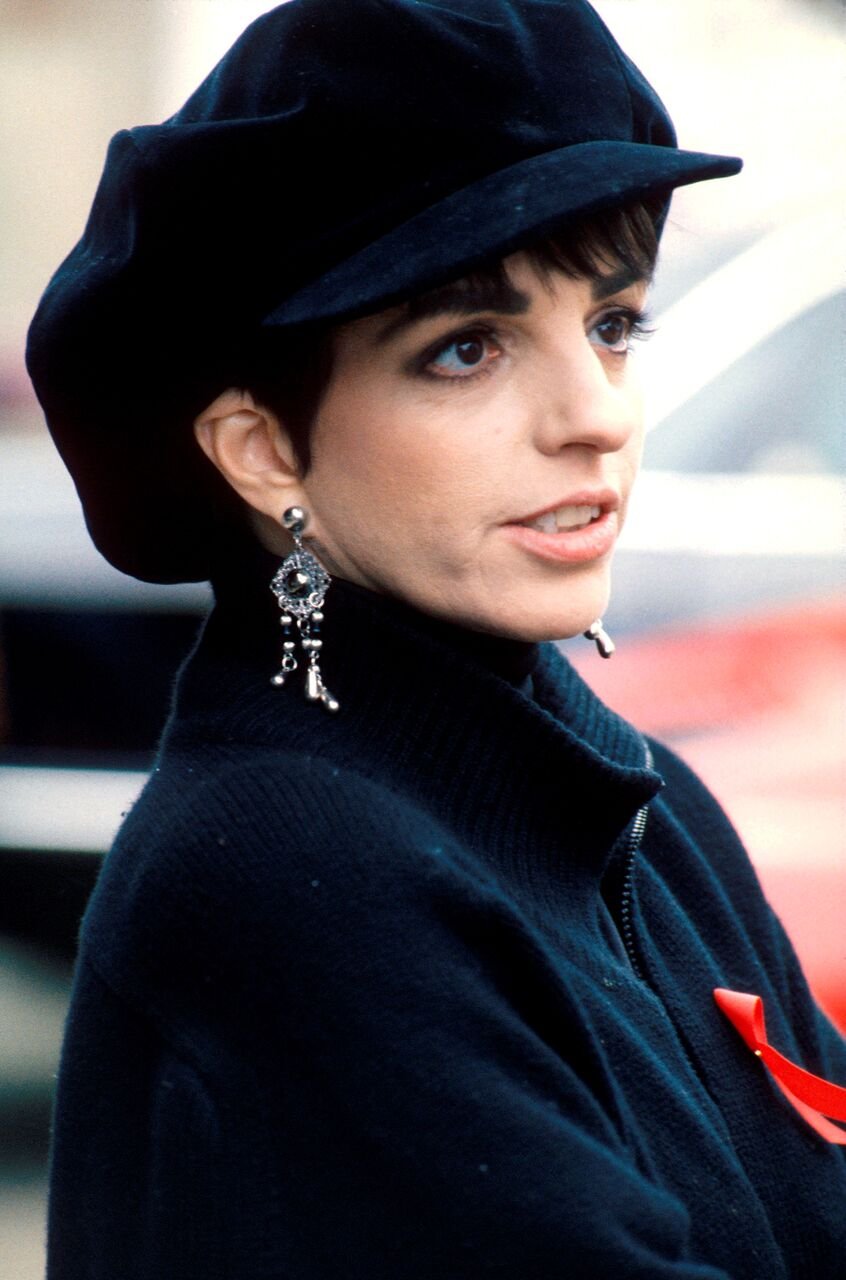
813, 1097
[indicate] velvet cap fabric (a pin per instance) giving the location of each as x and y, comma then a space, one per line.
340, 158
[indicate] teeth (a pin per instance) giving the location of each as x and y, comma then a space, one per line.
574, 517
565, 518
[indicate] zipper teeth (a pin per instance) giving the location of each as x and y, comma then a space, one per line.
635, 838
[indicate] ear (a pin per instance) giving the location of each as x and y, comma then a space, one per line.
252, 451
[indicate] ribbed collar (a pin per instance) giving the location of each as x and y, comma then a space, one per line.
430, 710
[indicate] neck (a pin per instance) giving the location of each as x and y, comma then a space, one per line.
512, 660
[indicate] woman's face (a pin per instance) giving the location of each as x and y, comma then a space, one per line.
475, 449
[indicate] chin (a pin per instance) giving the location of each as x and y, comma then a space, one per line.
556, 613
541, 630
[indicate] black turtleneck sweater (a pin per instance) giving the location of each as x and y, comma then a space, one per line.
408, 992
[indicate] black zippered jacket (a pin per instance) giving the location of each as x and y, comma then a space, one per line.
405, 993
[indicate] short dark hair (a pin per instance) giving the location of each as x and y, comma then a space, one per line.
289, 376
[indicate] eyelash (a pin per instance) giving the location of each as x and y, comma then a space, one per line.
638, 329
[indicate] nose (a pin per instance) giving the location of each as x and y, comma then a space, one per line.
585, 396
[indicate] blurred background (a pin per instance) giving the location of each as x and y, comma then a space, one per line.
729, 609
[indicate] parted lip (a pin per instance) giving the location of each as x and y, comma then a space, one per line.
606, 499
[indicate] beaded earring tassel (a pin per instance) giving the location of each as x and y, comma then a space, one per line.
300, 585
604, 644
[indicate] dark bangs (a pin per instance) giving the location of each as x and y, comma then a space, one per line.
601, 242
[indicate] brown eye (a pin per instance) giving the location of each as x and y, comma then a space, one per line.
614, 331
617, 330
471, 351
462, 356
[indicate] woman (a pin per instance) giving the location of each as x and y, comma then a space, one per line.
422, 987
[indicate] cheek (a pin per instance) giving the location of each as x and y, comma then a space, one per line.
629, 462
412, 458
633, 449
634, 396
361, 463
638, 437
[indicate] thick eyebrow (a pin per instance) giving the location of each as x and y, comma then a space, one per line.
462, 298
471, 295
606, 286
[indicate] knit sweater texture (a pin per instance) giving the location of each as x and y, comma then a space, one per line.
404, 993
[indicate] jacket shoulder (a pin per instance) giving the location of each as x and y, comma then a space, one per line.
255, 851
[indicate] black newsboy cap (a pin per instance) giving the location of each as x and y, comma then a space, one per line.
344, 155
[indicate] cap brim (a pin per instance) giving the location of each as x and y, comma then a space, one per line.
493, 217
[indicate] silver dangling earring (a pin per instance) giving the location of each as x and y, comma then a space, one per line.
300, 585
597, 633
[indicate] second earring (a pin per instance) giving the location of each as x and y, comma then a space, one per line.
300, 585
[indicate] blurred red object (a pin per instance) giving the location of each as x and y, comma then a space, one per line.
758, 707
